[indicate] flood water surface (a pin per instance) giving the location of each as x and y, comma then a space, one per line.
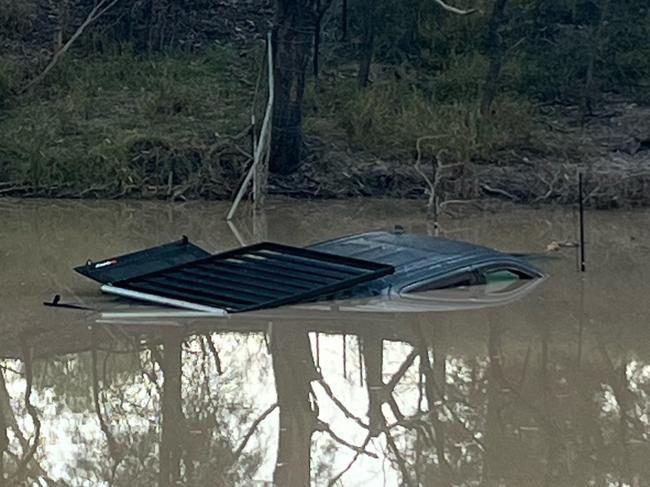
551, 389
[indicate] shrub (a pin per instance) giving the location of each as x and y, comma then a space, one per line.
121, 120
461, 79
390, 117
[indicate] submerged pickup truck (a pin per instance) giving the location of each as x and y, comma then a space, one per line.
374, 265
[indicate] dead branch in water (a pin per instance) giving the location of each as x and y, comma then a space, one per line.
429, 182
438, 167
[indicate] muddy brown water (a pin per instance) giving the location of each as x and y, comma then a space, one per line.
550, 390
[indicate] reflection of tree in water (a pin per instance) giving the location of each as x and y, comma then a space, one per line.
167, 408
137, 417
18, 458
499, 418
527, 420
199, 428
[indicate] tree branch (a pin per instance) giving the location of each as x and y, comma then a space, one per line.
100, 9
401, 462
455, 10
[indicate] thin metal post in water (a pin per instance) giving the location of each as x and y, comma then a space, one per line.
582, 225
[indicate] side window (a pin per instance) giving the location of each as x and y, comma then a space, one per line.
502, 280
496, 279
500, 275
460, 280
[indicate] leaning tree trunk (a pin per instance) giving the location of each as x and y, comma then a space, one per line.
293, 36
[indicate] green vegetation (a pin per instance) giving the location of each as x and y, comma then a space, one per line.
142, 108
116, 123
548, 44
388, 118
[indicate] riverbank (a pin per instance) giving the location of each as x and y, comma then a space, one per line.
175, 127
612, 149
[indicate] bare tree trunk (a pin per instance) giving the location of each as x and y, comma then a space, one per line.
321, 9
367, 42
495, 53
344, 20
293, 35
61, 12
149, 15
317, 32
492, 460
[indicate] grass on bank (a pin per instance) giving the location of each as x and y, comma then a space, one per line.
390, 115
388, 118
125, 121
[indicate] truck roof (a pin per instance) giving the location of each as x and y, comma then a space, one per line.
423, 259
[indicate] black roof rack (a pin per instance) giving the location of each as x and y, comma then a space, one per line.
260, 276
